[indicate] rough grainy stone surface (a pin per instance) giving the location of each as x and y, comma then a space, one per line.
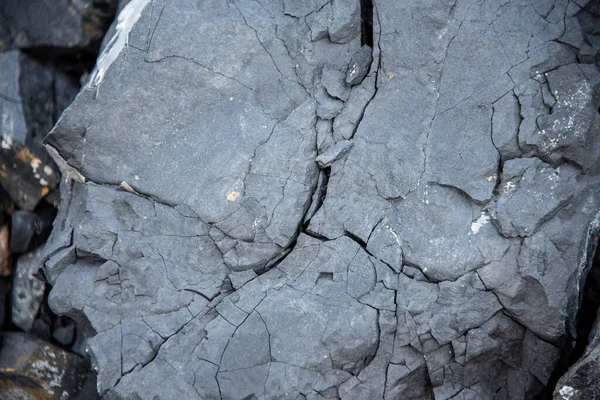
27, 290
439, 252
34, 369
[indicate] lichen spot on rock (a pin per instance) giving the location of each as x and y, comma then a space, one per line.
231, 196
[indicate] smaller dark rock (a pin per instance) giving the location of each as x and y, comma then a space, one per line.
33, 369
24, 176
65, 24
27, 290
5, 258
41, 329
30, 229
64, 331
6, 205
360, 63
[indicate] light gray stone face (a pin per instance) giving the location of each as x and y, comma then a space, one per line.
254, 220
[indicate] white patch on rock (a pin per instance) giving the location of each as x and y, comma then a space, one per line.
127, 18
35, 164
7, 142
481, 221
566, 392
396, 238
509, 188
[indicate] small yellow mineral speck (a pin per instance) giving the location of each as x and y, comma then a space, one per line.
231, 196
390, 75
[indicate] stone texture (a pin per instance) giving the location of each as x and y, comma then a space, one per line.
441, 256
33, 369
27, 290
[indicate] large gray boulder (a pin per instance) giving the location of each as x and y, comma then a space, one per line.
439, 253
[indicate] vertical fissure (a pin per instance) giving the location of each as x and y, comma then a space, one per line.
366, 8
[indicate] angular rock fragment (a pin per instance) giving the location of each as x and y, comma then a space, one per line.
27, 290
572, 130
360, 63
34, 94
24, 176
531, 193
346, 22
318, 21
30, 229
333, 81
32, 368
333, 153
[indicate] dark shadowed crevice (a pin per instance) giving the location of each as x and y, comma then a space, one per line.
587, 313
366, 9
589, 309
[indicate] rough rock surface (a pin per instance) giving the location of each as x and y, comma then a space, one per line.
34, 369
446, 258
28, 290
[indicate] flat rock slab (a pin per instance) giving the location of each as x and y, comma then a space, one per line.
435, 255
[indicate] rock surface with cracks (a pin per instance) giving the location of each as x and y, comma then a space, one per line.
446, 251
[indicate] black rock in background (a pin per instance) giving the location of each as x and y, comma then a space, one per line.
4, 282
31, 368
27, 291
67, 25
30, 229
